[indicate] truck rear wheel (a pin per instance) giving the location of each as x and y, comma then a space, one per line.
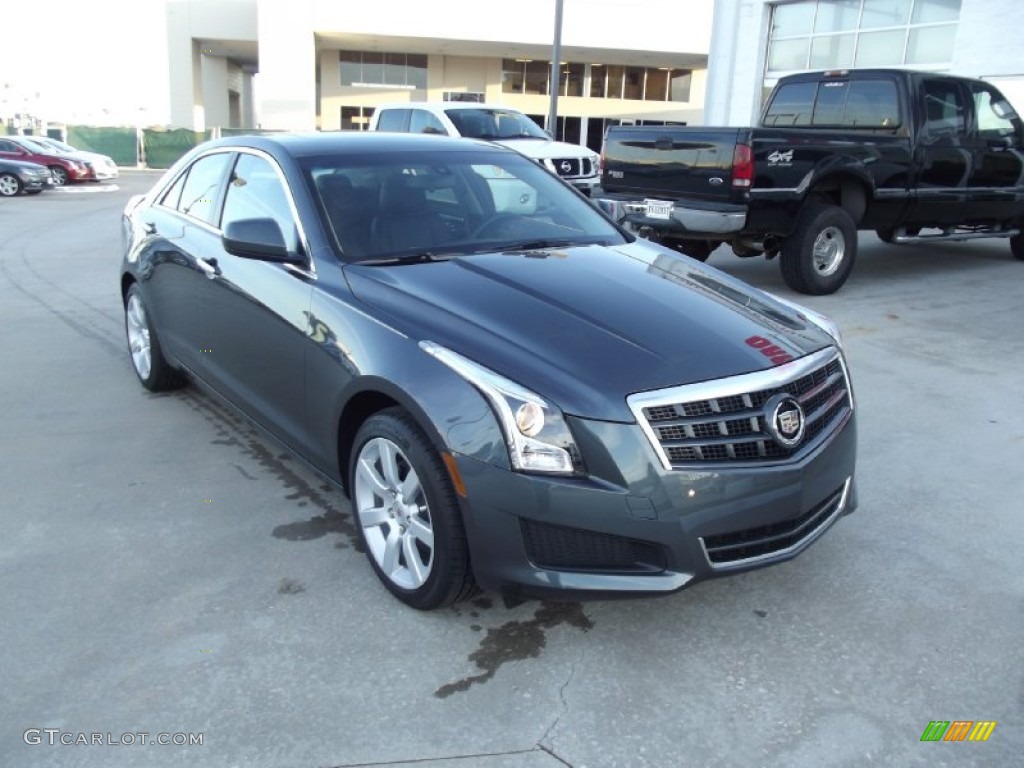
818, 256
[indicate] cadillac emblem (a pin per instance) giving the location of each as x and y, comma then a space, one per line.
784, 419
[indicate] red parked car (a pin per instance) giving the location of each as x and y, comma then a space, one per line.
63, 168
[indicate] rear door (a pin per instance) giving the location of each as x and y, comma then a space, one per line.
944, 158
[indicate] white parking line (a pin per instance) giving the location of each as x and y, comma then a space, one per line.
77, 190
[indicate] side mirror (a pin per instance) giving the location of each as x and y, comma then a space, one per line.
257, 239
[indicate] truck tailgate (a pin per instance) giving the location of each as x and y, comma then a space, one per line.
673, 162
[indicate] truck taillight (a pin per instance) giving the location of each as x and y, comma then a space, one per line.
742, 166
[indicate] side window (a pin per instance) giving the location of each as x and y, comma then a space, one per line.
8, 146
872, 104
256, 192
996, 118
943, 108
199, 194
423, 121
173, 195
792, 105
393, 120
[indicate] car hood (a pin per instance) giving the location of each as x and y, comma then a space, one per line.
545, 150
21, 165
587, 326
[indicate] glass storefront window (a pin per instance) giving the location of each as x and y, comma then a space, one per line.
657, 85
597, 76
792, 19
825, 34
788, 54
929, 45
571, 80
928, 11
416, 74
536, 78
832, 51
884, 13
615, 75
876, 49
680, 85
351, 67
837, 16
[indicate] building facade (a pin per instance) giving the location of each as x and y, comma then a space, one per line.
305, 64
755, 42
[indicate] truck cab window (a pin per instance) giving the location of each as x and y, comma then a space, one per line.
996, 118
943, 108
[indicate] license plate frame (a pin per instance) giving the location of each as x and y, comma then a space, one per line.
658, 209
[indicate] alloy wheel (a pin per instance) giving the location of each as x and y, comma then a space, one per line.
393, 512
138, 337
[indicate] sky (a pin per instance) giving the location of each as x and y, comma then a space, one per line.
90, 61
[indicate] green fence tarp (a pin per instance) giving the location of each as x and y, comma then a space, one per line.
163, 148
118, 143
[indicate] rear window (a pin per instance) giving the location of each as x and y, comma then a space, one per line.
835, 104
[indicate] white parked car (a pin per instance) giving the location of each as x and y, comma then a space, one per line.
103, 166
576, 164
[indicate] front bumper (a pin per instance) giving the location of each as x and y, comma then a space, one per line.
675, 217
36, 181
632, 527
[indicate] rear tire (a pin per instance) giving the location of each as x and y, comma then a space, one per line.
404, 505
819, 255
148, 360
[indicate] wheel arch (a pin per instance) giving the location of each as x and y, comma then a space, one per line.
845, 188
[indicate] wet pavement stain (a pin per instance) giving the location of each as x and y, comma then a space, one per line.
290, 587
232, 430
515, 641
760, 614
314, 528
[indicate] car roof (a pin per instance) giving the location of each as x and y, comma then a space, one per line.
354, 142
447, 105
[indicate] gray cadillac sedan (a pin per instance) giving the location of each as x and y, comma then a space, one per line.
512, 391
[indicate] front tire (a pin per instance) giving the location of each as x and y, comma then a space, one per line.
60, 175
819, 255
405, 508
148, 360
10, 185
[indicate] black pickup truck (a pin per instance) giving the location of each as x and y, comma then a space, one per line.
914, 156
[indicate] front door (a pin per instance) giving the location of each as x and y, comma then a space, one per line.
996, 136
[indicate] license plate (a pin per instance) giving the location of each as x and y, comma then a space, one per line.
658, 209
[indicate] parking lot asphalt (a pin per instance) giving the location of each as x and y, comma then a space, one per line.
166, 569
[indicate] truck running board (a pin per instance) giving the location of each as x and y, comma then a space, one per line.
954, 235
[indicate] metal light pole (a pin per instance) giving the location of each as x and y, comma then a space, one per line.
556, 71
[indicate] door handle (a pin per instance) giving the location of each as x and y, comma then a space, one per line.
208, 266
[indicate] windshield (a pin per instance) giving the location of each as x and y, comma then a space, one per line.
484, 123
441, 204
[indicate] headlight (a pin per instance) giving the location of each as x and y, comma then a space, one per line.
824, 322
537, 437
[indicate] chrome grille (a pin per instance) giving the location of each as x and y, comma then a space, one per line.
725, 420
